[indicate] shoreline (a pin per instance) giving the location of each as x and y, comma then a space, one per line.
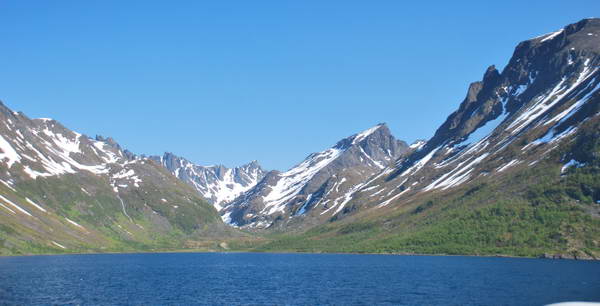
198, 251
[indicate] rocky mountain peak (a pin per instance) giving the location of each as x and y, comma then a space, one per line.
491, 76
322, 184
252, 164
376, 133
218, 184
109, 141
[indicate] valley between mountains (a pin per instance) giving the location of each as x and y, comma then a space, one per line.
515, 170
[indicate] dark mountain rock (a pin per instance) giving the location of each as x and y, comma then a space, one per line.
549, 88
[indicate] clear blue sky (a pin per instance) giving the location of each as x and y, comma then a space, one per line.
226, 82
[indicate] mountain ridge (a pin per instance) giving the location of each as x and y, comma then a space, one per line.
514, 170
307, 185
504, 173
218, 184
64, 191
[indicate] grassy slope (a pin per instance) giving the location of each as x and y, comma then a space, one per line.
482, 220
186, 221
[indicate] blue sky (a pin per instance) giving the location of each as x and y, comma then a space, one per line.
227, 82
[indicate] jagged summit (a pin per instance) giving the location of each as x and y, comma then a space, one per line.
321, 184
217, 183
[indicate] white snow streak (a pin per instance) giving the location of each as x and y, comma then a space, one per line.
8, 153
15, 206
552, 35
35, 205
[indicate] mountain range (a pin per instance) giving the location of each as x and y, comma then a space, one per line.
218, 184
515, 170
320, 186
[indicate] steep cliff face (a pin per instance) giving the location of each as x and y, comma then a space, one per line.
541, 68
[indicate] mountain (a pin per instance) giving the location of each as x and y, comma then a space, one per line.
64, 191
320, 186
514, 170
511, 119
218, 184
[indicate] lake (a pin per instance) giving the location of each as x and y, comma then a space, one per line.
294, 279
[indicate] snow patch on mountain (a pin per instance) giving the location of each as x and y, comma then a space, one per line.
60, 151
457, 176
551, 36
545, 102
292, 181
19, 208
35, 205
571, 110
8, 153
420, 163
571, 163
486, 130
508, 165
417, 145
364, 134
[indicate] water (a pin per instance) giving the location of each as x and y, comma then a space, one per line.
293, 279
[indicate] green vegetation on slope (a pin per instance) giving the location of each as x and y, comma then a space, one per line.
151, 218
506, 217
531, 211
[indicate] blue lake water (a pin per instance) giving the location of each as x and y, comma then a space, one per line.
293, 279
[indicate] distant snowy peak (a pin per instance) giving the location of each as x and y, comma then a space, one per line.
317, 161
323, 177
218, 184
